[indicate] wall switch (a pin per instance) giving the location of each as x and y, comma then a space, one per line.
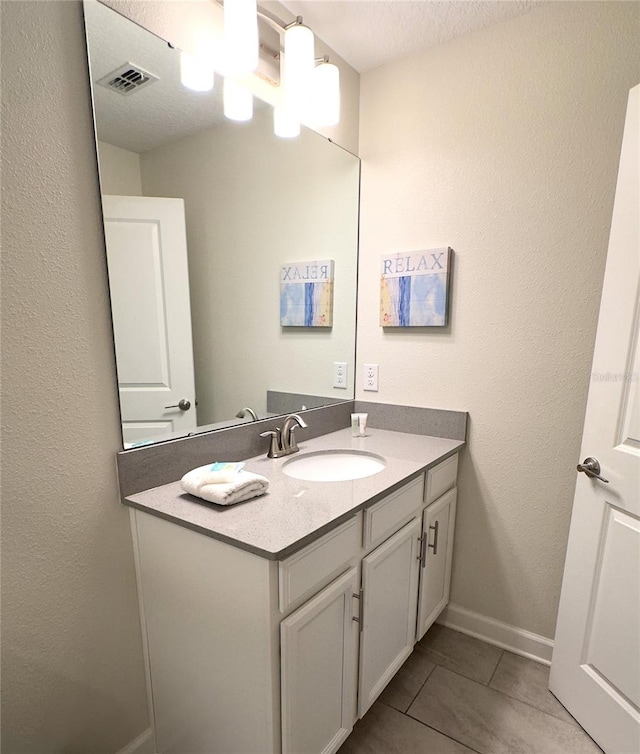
340, 374
371, 377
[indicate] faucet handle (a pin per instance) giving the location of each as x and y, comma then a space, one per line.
274, 447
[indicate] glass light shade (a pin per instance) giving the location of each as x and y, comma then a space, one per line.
238, 101
195, 75
299, 63
240, 36
286, 123
326, 95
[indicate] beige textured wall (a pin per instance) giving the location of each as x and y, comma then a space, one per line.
503, 144
72, 670
252, 202
119, 170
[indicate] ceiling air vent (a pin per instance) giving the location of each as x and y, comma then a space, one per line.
127, 78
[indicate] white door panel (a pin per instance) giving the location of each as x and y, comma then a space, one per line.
435, 572
617, 576
390, 596
138, 302
596, 661
318, 669
149, 285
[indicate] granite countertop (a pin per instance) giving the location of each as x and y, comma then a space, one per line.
294, 512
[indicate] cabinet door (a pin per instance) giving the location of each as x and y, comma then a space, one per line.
318, 670
435, 577
389, 599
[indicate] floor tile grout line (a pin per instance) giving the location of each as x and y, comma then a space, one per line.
426, 725
483, 684
535, 707
446, 735
496, 668
466, 677
421, 687
501, 693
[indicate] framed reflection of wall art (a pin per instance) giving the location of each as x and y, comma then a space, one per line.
306, 294
414, 288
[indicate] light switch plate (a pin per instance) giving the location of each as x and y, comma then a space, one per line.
371, 377
340, 371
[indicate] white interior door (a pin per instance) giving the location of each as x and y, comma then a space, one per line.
596, 661
149, 284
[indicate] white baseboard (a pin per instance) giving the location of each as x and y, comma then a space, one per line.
142, 744
502, 635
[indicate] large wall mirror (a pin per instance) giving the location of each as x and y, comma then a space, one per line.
200, 215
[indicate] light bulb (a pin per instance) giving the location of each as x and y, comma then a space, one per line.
286, 124
240, 36
325, 109
298, 67
195, 75
238, 101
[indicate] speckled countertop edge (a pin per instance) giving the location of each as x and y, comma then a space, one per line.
294, 512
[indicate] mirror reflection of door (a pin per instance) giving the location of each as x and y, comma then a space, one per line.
149, 286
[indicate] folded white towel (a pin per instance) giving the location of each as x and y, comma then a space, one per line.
246, 485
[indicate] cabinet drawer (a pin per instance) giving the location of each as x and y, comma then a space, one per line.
441, 478
388, 515
307, 571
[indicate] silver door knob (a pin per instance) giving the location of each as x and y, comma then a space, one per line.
591, 467
183, 405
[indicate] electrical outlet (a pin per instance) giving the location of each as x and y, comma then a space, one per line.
340, 374
371, 377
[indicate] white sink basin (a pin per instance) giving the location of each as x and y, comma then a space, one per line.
333, 465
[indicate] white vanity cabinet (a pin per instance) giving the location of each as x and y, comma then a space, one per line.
254, 656
437, 542
389, 596
318, 669
437, 551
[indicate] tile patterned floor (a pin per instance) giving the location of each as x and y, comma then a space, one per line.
458, 695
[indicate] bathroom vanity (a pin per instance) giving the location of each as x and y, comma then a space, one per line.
273, 625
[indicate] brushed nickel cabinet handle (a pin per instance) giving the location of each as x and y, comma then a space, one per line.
422, 556
359, 619
434, 546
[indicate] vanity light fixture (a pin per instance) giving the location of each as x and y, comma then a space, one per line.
309, 87
286, 123
325, 106
194, 74
238, 101
298, 65
240, 37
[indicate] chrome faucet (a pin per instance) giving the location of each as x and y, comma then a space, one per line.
283, 441
246, 410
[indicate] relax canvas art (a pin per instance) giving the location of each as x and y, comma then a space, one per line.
306, 294
414, 288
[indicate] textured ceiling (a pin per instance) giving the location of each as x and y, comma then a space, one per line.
158, 113
369, 33
366, 33
154, 115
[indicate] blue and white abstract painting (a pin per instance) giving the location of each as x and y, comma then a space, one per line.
414, 288
306, 294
